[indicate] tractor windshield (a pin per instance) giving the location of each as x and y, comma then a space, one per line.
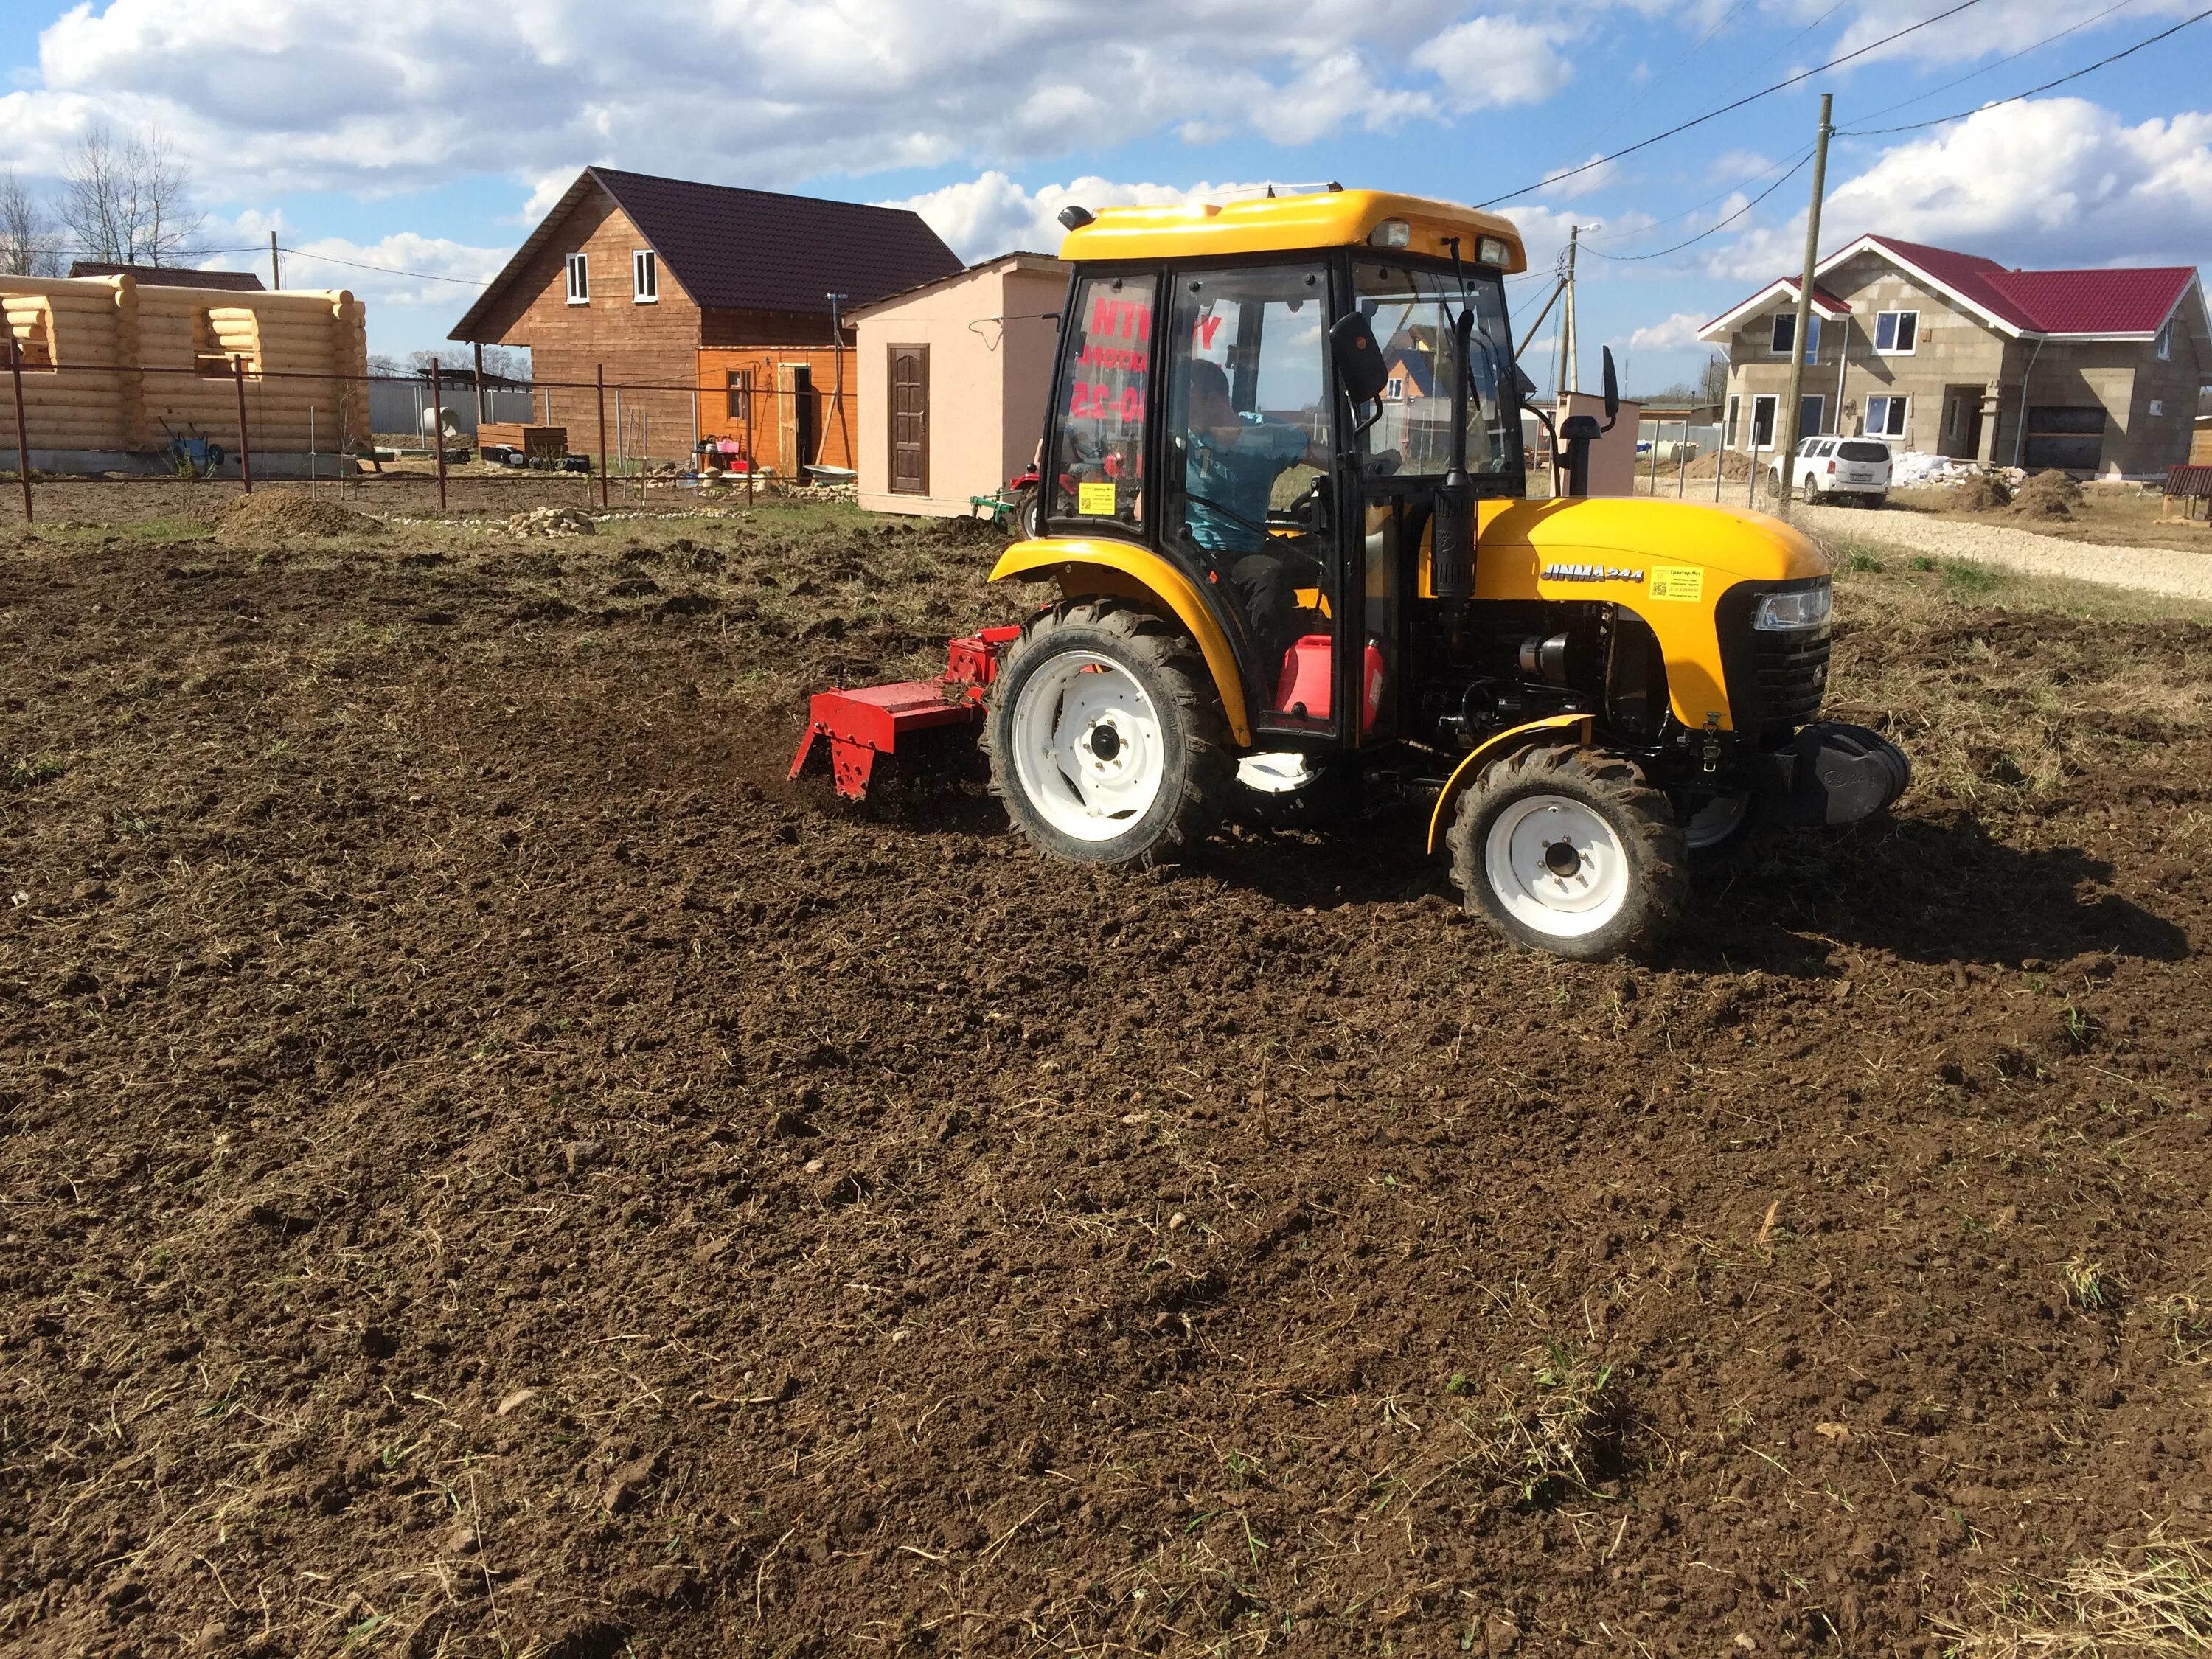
1411, 312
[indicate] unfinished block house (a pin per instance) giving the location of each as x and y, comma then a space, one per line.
115, 368
721, 295
2095, 371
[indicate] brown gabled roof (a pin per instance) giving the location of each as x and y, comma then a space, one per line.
1014, 256
752, 250
241, 282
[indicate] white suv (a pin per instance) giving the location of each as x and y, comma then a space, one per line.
1838, 469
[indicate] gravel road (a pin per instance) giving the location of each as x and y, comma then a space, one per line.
2152, 570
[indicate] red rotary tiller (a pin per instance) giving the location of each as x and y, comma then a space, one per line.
860, 723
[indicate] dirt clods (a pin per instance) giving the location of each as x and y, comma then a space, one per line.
552, 521
2047, 495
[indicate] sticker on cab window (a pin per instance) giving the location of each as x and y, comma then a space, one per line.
1685, 582
1094, 500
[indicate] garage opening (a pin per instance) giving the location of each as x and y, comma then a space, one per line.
2073, 439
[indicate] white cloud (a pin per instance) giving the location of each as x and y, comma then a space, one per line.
992, 214
1993, 27
2056, 181
1678, 332
1492, 62
269, 96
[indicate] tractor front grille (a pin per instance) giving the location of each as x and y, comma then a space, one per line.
1775, 681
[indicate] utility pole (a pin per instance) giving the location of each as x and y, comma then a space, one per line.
837, 396
1791, 412
276, 272
1569, 343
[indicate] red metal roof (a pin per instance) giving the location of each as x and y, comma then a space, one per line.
2134, 301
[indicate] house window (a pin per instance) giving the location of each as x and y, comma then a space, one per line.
1785, 330
644, 276
2158, 406
2164, 341
580, 280
1812, 414
1896, 332
740, 394
1393, 389
1727, 435
1887, 417
1762, 421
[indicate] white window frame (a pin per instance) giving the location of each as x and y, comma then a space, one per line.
1892, 349
1773, 401
1775, 331
1734, 415
1393, 389
2158, 406
1819, 419
1904, 424
579, 279
2166, 340
644, 276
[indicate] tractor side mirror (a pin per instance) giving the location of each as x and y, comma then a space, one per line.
1612, 390
1360, 369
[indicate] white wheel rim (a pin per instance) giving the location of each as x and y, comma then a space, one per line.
1556, 866
1089, 752
1716, 821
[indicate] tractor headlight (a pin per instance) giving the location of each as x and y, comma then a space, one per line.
1493, 250
1391, 232
1808, 607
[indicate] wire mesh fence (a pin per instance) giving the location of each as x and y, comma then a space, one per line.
224, 418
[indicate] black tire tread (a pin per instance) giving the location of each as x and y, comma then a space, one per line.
1660, 897
1171, 655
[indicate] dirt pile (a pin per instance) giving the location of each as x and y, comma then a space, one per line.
2047, 495
270, 515
492, 1165
1985, 492
1732, 463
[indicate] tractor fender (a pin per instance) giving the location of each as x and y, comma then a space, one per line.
1085, 565
1488, 750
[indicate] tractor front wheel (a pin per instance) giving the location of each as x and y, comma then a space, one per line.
1106, 739
1568, 850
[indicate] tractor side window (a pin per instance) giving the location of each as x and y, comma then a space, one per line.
1412, 313
1099, 469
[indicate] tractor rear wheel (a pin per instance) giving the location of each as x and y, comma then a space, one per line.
1106, 739
1026, 524
1568, 850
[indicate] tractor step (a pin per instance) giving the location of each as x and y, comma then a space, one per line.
863, 722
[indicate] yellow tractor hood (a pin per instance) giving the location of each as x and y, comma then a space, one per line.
1641, 532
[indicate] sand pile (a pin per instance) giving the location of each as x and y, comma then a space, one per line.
277, 514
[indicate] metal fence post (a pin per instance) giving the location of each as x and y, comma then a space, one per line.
22, 432
600, 373
244, 448
438, 430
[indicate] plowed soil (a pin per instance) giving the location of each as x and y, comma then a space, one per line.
491, 1168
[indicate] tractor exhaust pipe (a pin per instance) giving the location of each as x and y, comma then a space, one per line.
1452, 542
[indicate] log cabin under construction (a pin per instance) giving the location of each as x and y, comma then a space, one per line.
114, 369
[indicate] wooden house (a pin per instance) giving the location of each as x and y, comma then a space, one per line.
113, 368
668, 288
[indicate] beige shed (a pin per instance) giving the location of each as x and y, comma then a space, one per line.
953, 378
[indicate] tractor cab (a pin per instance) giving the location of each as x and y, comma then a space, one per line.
1276, 428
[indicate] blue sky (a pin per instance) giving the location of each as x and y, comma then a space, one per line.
418, 141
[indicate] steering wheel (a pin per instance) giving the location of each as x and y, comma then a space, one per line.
1229, 514
1382, 464
1305, 512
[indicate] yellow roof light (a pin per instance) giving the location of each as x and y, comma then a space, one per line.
1391, 232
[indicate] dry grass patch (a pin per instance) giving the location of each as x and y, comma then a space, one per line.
2155, 1600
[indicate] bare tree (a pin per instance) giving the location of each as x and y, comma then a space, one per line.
1712, 381
28, 247
127, 203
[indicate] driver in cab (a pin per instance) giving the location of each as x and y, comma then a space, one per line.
1233, 466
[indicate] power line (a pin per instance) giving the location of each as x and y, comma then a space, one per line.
1741, 184
388, 271
1752, 98
1631, 258
1999, 103
1973, 75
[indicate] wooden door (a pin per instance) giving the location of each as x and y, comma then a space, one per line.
909, 422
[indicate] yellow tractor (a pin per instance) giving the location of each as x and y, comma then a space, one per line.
1282, 497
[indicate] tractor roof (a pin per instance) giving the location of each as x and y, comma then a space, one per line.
1283, 224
